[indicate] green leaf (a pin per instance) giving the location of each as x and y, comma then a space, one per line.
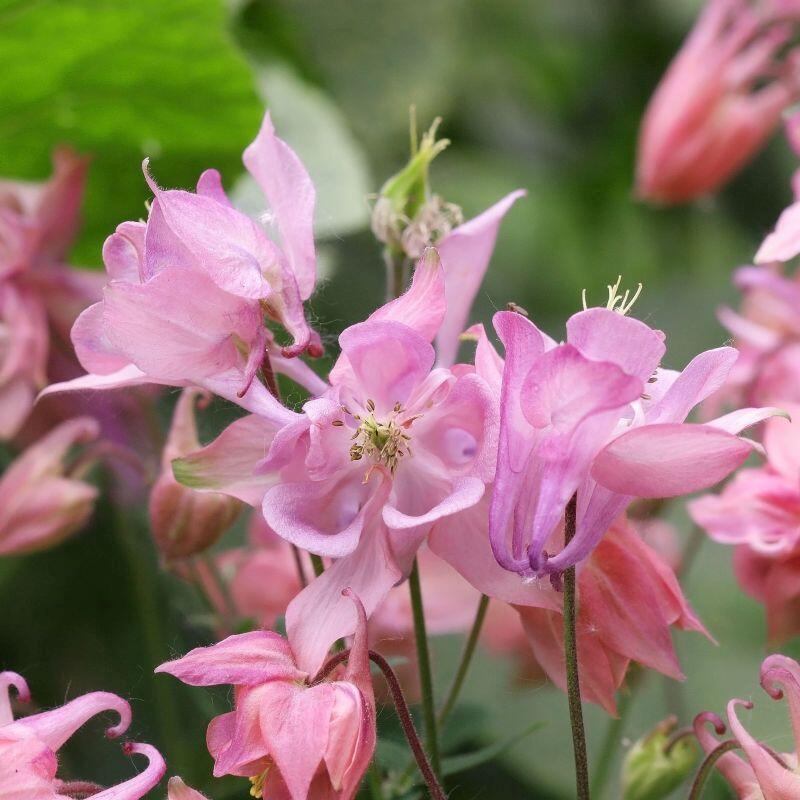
460, 763
121, 81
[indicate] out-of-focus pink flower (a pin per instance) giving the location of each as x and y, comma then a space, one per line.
189, 290
759, 512
40, 502
597, 417
39, 294
630, 598
178, 790
763, 774
294, 739
391, 448
183, 521
29, 746
720, 99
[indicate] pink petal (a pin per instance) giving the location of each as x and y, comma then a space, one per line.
92, 346
7, 680
742, 418
780, 677
737, 772
137, 787
422, 306
294, 722
783, 244
465, 254
246, 659
320, 615
54, 727
209, 184
227, 465
291, 197
703, 376
123, 252
466, 492
235, 740
351, 740
127, 376
605, 335
782, 443
178, 790
668, 460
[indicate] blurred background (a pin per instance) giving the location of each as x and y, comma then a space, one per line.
541, 95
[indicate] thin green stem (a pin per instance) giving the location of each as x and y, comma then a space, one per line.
466, 660
707, 767
316, 562
571, 658
425, 675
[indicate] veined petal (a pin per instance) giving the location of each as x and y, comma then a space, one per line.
245, 659
668, 460
465, 254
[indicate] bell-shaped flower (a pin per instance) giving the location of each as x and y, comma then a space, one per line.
185, 522
295, 739
720, 99
29, 747
598, 417
762, 774
191, 288
42, 499
630, 600
393, 446
759, 513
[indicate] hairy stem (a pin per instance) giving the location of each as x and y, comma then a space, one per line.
571, 658
403, 715
424, 665
707, 767
466, 660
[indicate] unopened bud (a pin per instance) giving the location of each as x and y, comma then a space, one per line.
185, 521
657, 764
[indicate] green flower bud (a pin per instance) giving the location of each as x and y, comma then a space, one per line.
651, 771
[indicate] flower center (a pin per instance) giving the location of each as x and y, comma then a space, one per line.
384, 441
257, 789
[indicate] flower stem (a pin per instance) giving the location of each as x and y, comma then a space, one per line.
316, 562
466, 660
571, 658
708, 765
403, 715
424, 665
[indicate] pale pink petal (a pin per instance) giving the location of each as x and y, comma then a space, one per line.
783, 244
235, 740
465, 254
123, 252
92, 346
347, 727
422, 306
57, 725
605, 335
782, 443
780, 677
291, 197
466, 492
668, 460
320, 615
137, 787
7, 680
227, 465
209, 184
742, 418
178, 790
130, 375
246, 659
17, 398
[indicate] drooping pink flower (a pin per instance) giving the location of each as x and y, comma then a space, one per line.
630, 599
39, 295
29, 746
183, 521
190, 289
762, 774
40, 502
391, 447
294, 739
720, 99
598, 417
759, 513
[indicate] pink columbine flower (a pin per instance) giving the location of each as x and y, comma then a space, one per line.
759, 513
599, 417
39, 295
630, 600
29, 746
190, 289
762, 774
720, 99
185, 522
391, 447
42, 500
294, 739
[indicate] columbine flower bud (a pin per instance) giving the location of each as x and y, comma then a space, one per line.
406, 217
654, 767
185, 521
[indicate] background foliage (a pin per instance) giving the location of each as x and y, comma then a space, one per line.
543, 95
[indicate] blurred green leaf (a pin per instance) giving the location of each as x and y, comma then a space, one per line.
120, 81
460, 763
